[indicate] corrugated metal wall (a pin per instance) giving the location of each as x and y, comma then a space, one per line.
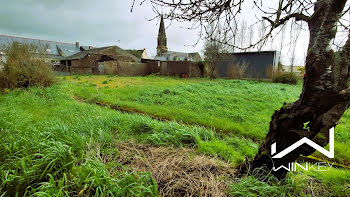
260, 64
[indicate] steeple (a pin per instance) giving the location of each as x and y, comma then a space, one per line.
161, 48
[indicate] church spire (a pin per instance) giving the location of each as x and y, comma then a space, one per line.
161, 27
162, 41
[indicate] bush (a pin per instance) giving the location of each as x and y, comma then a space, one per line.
237, 70
24, 67
286, 78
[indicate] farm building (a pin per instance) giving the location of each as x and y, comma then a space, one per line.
104, 60
258, 64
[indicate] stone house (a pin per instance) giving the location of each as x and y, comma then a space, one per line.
105, 60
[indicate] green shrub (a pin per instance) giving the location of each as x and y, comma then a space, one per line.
105, 82
24, 67
286, 78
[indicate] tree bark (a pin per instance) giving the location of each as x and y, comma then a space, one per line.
324, 98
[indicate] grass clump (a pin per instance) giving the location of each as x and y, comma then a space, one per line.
25, 66
259, 183
286, 78
337, 181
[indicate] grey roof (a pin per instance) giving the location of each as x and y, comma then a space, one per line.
176, 56
256, 52
83, 54
53, 47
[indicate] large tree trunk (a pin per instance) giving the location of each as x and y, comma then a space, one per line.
323, 100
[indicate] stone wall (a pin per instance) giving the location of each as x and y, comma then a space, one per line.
88, 65
126, 68
110, 67
94, 64
132, 69
153, 65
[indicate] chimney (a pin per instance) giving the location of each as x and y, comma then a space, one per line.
77, 44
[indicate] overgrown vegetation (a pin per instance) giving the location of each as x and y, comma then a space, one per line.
238, 107
24, 67
286, 78
55, 143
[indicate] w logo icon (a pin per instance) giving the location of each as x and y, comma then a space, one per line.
305, 140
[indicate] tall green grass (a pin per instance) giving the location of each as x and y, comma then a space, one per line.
49, 147
241, 107
238, 107
53, 144
260, 182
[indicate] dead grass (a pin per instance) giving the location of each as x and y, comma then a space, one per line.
178, 172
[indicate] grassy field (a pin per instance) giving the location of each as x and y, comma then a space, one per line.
234, 107
240, 107
57, 142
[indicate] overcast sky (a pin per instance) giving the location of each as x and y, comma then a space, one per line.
91, 22
100, 23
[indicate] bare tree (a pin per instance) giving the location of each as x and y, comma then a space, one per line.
325, 95
296, 29
212, 51
262, 34
234, 35
237, 70
242, 34
251, 35
283, 35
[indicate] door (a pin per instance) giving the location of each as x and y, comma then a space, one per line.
101, 68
